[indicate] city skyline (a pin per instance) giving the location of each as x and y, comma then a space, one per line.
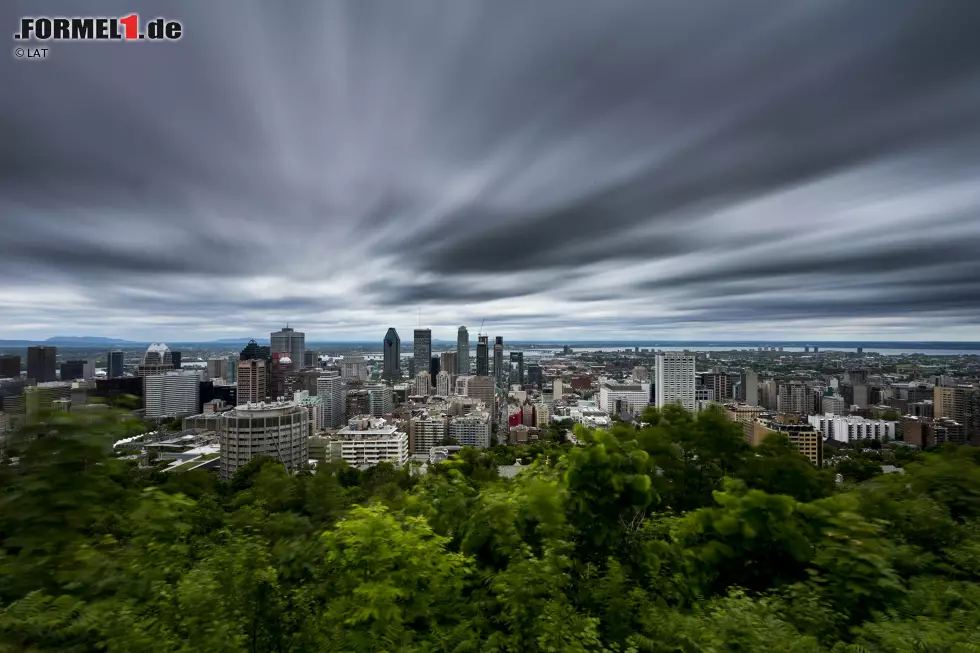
630, 172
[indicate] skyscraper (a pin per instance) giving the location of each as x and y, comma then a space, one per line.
288, 340
175, 357
422, 349
482, 356
330, 388
173, 393
115, 365
462, 352
392, 355
156, 360
41, 365
448, 362
750, 387
675, 379
252, 351
499, 374
9, 367
518, 357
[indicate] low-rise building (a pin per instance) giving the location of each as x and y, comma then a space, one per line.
367, 441
807, 440
849, 428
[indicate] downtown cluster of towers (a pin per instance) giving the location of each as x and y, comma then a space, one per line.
422, 359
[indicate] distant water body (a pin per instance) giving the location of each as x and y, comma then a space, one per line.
799, 350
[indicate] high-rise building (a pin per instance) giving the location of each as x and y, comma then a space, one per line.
291, 341
961, 404
434, 368
41, 364
675, 380
392, 355
175, 359
794, 397
443, 383
499, 373
354, 368
482, 356
311, 359
422, 350
252, 381
357, 402
462, 351
448, 362
422, 385
156, 360
73, 370
479, 387
750, 387
115, 364
426, 431
217, 368
231, 370
330, 388
535, 375
518, 357
379, 399
170, 394
9, 367
252, 351
280, 430
720, 383
471, 430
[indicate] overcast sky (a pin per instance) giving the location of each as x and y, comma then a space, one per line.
566, 170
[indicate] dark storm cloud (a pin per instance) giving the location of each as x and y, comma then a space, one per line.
650, 164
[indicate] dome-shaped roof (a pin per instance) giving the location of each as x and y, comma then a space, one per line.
285, 360
158, 348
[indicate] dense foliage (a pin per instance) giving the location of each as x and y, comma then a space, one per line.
671, 537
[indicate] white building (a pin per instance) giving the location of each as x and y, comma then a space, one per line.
443, 383
675, 380
848, 428
615, 398
330, 389
557, 389
472, 430
171, 393
422, 385
367, 441
833, 404
280, 430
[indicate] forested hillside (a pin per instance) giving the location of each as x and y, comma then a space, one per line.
673, 537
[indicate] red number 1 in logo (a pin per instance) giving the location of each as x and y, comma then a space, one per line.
131, 23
